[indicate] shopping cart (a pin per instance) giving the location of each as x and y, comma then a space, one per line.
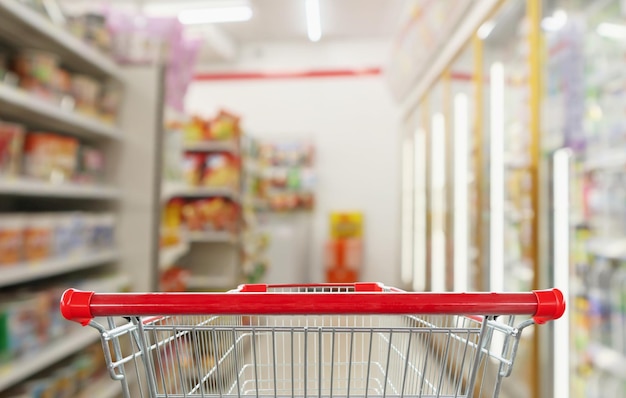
359, 340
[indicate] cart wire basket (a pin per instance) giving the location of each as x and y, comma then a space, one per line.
316, 340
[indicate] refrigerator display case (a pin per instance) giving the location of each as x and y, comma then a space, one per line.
585, 139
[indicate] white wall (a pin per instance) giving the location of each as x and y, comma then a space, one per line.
353, 123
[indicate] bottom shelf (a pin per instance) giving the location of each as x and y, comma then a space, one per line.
16, 371
103, 388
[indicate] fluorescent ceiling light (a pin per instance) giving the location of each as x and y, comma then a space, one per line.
313, 23
555, 22
215, 15
485, 29
612, 30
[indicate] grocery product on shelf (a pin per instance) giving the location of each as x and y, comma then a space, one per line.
92, 29
282, 178
11, 147
220, 170
211, 214
11, 238
30, 319
38, 238
50, 157
85, 91
90, 165
33, 238
36, 71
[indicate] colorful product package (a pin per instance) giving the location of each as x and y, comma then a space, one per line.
104, 231
50, 157
192, 168
36, 71
38, 237
220, 170
19, 327
11, 146
171, 222
70, 238
90, 166
86, 91
225, 126
11, 239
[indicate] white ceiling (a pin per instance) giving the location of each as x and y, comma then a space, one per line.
277, 20
272, 21
341, 19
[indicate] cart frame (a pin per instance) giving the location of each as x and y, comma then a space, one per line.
360, 340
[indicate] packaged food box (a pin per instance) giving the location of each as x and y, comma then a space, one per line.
70, 237
220, 170
91, 164
38, 237
104, 231
11, 239
20, 333
85, 91
11, 147
36, 71
50, 157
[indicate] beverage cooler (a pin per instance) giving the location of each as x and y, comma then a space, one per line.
585, 147
514, 178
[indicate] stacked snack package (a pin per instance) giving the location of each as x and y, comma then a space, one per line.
30, 319
288, 181
35, 238
211, 214
40, 73
50, 157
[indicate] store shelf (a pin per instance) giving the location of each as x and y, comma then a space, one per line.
197, 282
607, 160
20, 369
614, 248
169, 255
31, 272
25, 187
608, 360
212, 146
22, 106
212, 237
25, 28
103, 388
175, 190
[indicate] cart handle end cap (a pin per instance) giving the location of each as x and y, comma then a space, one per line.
75, 306
550, 305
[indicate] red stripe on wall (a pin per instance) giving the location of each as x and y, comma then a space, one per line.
310, 74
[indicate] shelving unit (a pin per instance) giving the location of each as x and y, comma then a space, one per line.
25, 107
26, 28
213, 237
23, 368
132, 183
174, 190
169, 255
31, 272
35, 188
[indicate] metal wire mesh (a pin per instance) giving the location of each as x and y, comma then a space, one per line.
305, 356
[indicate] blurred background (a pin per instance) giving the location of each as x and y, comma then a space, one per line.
157, 145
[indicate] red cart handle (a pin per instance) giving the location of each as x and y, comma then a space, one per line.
81, 306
